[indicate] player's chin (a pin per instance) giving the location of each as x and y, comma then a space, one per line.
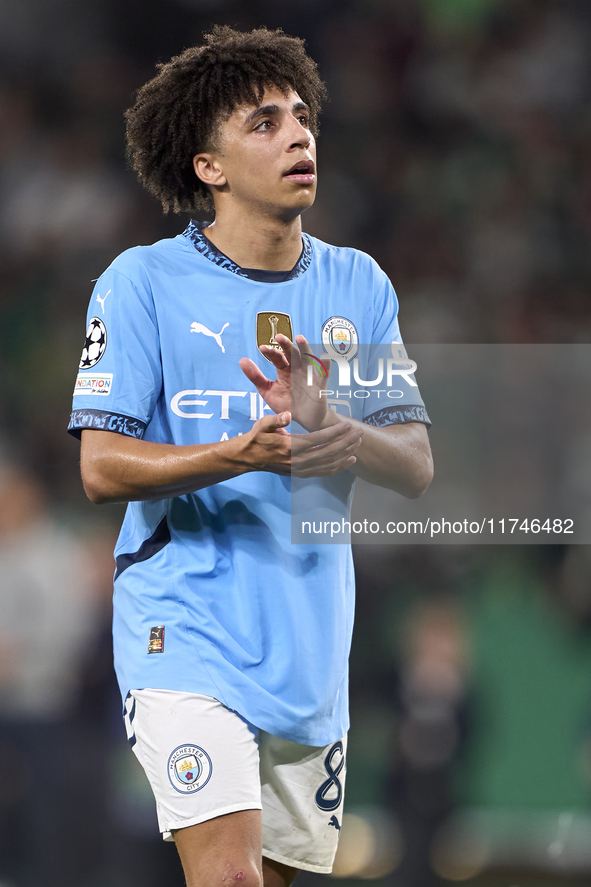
302, 199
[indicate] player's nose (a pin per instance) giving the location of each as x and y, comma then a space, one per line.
299, 135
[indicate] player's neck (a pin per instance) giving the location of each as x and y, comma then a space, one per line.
263, 242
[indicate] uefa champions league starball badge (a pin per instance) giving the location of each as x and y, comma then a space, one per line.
94, 344
189, 769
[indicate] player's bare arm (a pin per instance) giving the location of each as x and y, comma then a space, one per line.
397, 457
116, 468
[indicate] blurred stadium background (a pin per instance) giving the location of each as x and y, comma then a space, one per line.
456, 149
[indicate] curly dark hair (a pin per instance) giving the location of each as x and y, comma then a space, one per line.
177, 114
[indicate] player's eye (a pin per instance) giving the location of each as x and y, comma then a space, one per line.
304, 120
264, 125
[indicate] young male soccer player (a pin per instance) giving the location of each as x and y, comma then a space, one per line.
231, 644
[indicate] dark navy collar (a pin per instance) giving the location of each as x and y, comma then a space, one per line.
194, 233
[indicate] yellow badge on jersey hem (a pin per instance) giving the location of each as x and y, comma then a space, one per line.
156, 643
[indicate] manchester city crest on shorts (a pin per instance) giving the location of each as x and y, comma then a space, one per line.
339, 336
189, 769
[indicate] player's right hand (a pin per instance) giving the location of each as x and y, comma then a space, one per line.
269, 447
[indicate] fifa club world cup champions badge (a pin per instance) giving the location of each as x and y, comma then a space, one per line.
269, 323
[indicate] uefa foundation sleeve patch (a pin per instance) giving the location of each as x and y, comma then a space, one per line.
94, 383
156, 644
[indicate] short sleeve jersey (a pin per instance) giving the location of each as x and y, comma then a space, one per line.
210, 595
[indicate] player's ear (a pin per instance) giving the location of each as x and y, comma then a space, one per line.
208, 168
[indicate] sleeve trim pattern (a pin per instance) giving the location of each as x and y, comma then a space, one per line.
398, 416
101, 420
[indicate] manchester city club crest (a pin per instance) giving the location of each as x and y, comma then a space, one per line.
339, 336
189, 769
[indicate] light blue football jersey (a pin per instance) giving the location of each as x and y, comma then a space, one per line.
210, 595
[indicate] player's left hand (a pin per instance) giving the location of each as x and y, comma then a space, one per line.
290, 390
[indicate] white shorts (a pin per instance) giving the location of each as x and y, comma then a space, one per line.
203, 761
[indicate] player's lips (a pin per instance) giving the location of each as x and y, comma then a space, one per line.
301, 172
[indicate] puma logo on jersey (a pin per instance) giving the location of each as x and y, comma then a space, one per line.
102, 301
201, 328
334, 821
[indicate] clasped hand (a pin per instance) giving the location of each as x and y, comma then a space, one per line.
331, 442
